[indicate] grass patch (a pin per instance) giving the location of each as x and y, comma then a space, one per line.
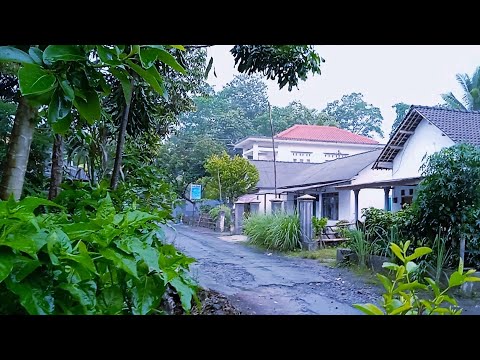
325, 256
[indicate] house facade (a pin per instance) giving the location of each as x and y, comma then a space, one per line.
423, 131
307, 144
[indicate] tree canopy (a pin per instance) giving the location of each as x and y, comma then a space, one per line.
354, 114
471, 92
401, 110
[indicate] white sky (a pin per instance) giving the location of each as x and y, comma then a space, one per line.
384, 74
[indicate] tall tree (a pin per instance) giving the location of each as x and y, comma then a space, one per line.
355, 115
401, 110
471, 92
229, 178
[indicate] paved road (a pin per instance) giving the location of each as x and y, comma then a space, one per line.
258, 283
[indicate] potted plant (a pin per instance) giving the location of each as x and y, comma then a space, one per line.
318, 226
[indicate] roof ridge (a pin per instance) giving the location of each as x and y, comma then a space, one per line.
446, 109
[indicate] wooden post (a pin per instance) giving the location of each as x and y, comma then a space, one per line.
356, 191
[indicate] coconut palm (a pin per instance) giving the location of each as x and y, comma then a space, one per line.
471, 96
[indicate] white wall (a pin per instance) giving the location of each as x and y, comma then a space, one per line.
268, 203
396, 192
426, 140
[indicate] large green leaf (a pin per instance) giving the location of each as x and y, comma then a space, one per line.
58, 244
6, 264
9, 53
122, 76
83, 257
36, 54
148, 77
33, 297
401, 309
22, 267
369, 309
148, 56
89, 108
411, 267
81, 230
456, 279
112, 299
107, 55
55, 53
135, 218
142, 251
397, 251
34, 80
168, 59
67, 89
420, 251
389, 265
29, 204
21, 242
122, 261
146, 296
85, 293
58, 110
179, 47
185, 291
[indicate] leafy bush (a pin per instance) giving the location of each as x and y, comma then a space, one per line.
277, 231
403, 295
214, 212
359, 244
86, 259
318, 225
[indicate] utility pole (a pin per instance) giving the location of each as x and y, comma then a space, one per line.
273, 146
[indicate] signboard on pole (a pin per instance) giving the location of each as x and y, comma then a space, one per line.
195, 192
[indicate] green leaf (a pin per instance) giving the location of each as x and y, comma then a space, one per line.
55, 53
143, 251
401, 309
108, 56
440, 310
145, 296
84, 292
61, 126
33, 297
89, 108
450, 300
123, 261
411, 267
136, 218
148, 56
369, 309
185, 291
472, 279
29, 204
179, 47
113, 300
209, 67
81, 230
397, 251
6, 264
148, 77
389, 265
58, 110
21, 242
37, 55
122, 75
58, 243
387, 284
34, 80
405, 246
167, 58
410, 286
456, 279
83, 258
67, 89
434, 286
9, 53
420, 251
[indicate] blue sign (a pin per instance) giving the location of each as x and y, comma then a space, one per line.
195, 192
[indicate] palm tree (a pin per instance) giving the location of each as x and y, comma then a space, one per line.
471, 97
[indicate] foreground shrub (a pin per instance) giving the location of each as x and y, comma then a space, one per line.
214, 212
404, 295
86, 259
277, 231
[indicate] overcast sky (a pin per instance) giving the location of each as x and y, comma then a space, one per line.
384, 74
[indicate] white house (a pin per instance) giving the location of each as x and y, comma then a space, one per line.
423, 131
307, 144
320, 181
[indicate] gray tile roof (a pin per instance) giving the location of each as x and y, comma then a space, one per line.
285, 170
298, 174
458, 125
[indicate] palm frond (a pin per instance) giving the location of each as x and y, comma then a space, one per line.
476, 78
466, 84
453, 102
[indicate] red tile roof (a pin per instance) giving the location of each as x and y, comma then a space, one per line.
323, 133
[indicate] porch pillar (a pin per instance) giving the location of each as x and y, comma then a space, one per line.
276, 205
387, 200
305, 210
355, 192
239, 210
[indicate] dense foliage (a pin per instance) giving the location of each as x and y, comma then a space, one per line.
83, 256
471, 93
277, 231
404, 294
401, 110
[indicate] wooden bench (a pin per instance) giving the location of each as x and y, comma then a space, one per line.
206, 221
331, 235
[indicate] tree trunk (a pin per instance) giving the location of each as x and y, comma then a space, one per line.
462, 248
120, 144
57, 167
18, 150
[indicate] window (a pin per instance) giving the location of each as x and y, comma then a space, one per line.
335, 155
297, 155
308, 160
294, 160
301, 160
330, 206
